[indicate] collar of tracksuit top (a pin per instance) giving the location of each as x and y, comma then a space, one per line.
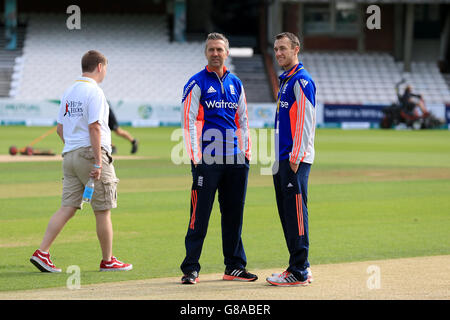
286, 76
221, 79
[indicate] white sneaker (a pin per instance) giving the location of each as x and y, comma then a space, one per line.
310, 276
286, 279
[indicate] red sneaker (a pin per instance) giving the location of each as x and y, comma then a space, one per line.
115, 265
43, 262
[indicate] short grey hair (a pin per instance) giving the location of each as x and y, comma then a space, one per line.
217, 36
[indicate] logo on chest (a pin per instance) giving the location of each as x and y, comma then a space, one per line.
221, 104
284, 104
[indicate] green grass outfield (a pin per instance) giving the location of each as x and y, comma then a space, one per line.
373, 195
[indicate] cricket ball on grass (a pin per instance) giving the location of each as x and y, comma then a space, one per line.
13, 150
29, 151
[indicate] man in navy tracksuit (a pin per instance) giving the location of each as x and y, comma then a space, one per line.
294, 139
217, 139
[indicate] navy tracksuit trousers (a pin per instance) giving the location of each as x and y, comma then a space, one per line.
291, 191
230, 180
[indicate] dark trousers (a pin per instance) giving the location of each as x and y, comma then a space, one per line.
230, 180
291, 190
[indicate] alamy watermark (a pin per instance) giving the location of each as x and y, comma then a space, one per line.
74, 280
73, 22
374, 280
374, 20
263, 148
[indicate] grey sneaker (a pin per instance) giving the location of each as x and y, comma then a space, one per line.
310, 276
190, 278
239, 275
286, 279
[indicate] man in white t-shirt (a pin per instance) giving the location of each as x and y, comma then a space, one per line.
83, 128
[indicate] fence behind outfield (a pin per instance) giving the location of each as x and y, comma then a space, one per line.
147, 114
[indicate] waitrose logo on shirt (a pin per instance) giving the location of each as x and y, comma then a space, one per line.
221, 104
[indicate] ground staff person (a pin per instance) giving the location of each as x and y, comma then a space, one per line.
217, 139
83, 128
295, 123
113, 125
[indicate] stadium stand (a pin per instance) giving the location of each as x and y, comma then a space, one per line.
7, 60
143, 64
351, 77
253, 75
447, 79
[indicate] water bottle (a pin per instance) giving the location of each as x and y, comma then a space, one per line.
88, 190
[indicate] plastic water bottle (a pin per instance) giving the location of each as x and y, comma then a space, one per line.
88, 190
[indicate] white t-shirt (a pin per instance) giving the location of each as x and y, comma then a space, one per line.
83, 103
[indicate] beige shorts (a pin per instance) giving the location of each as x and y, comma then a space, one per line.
77, 165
